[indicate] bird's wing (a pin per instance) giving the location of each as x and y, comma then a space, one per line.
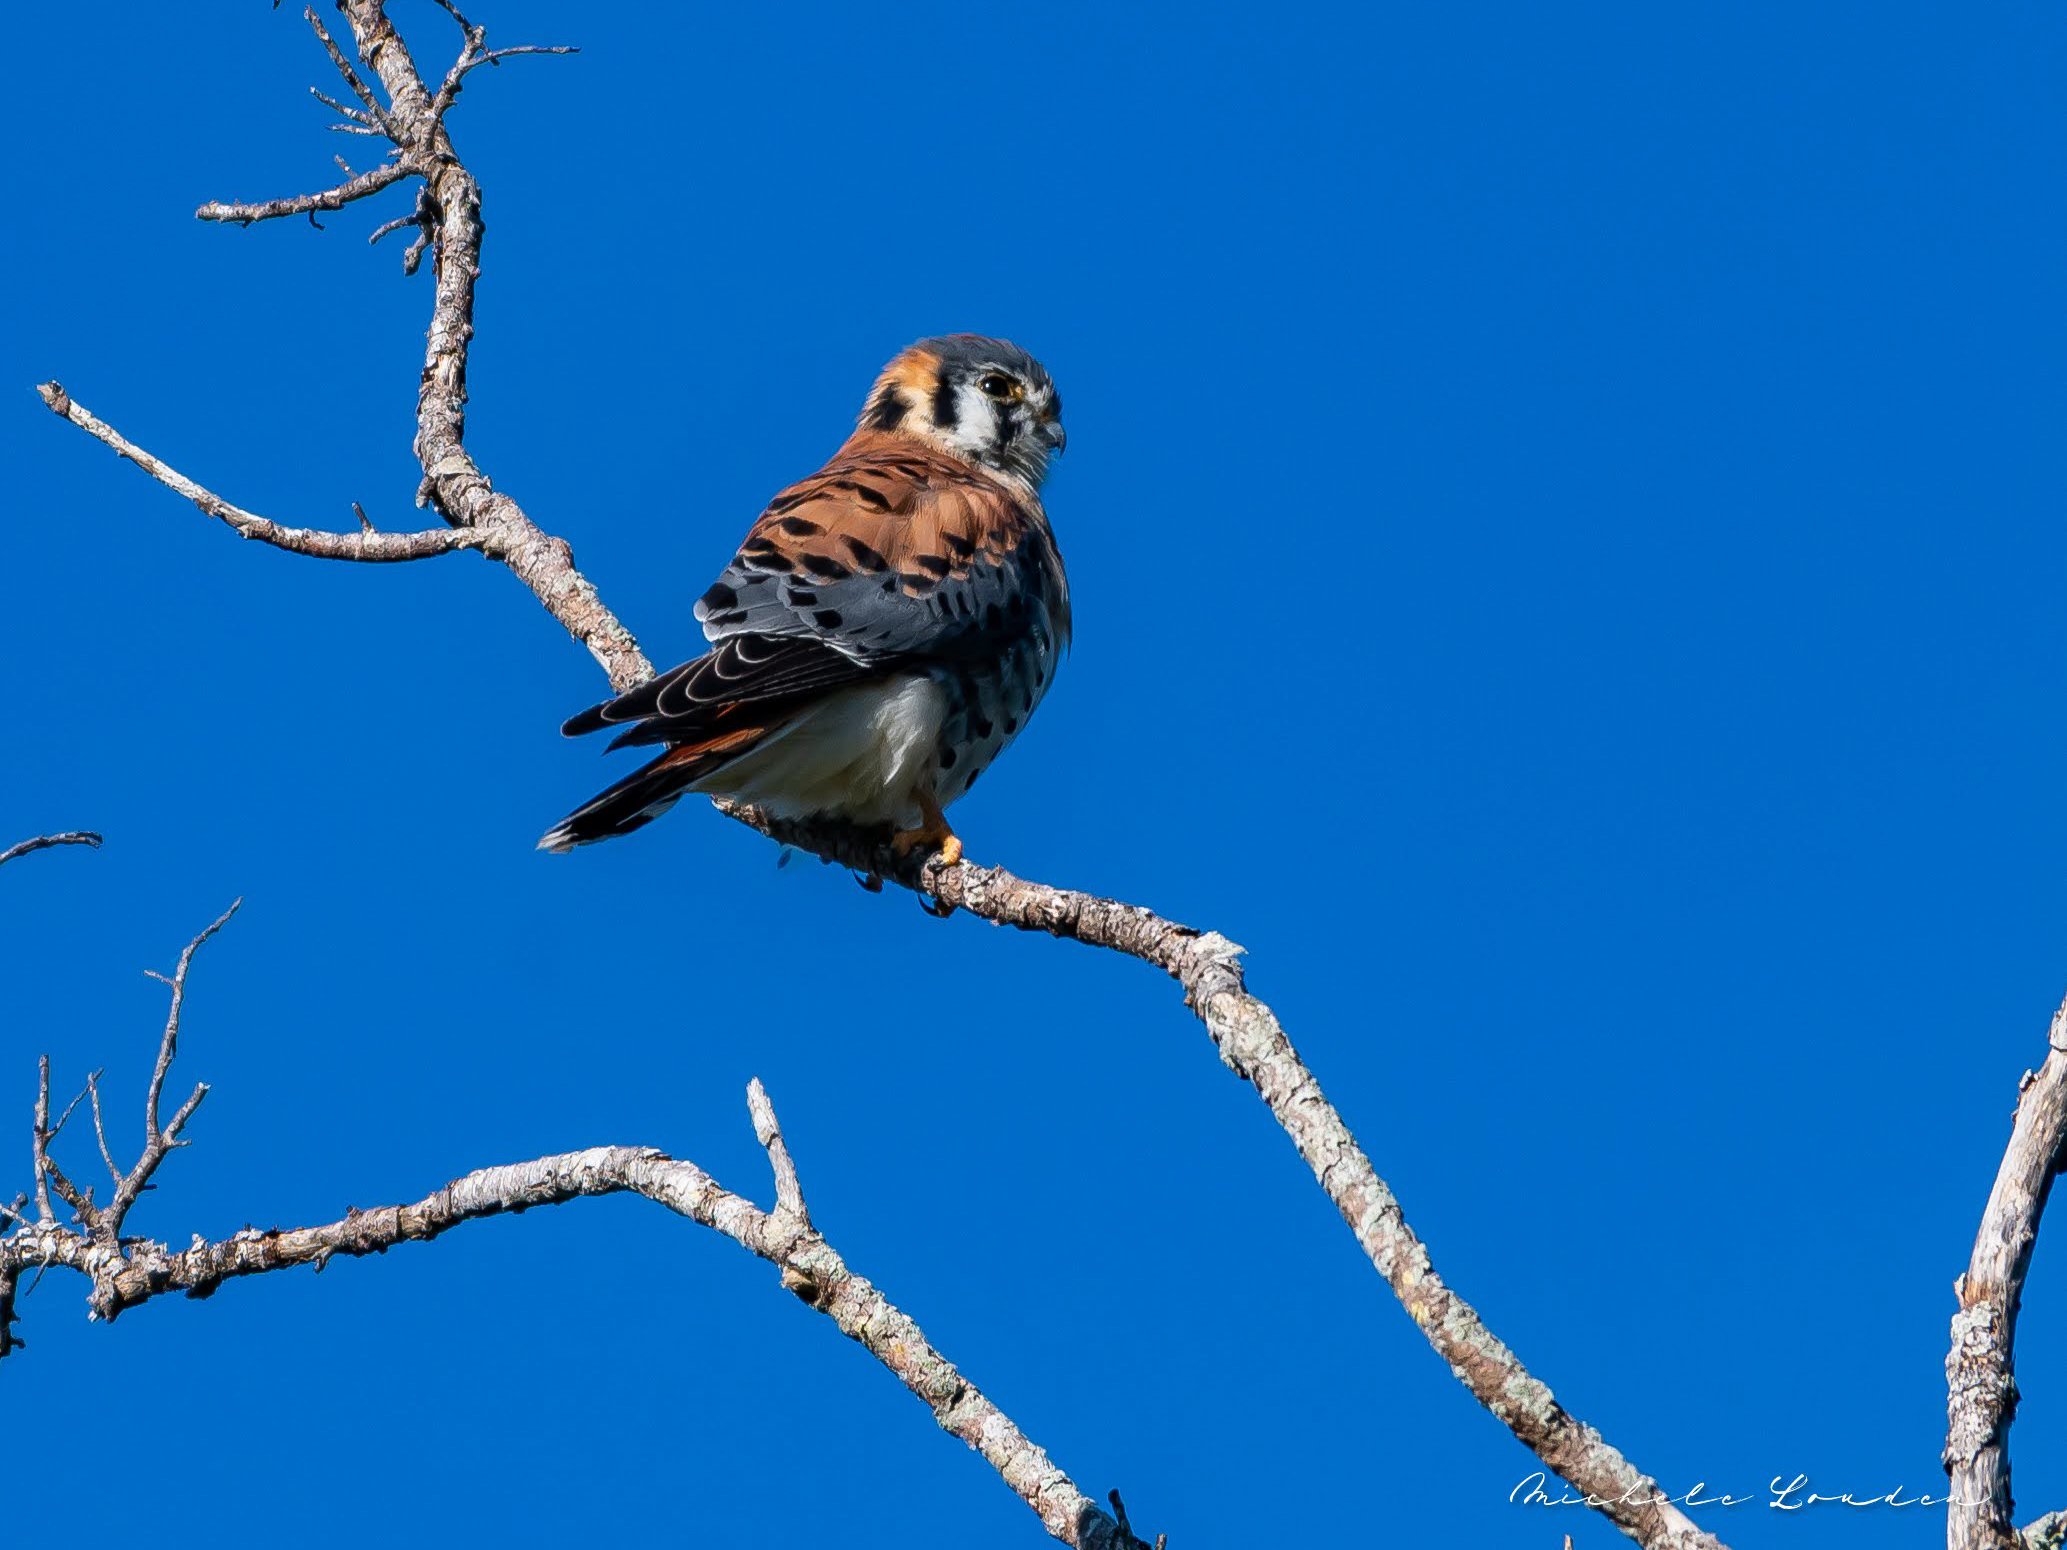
887, 557
889, 553
748, 677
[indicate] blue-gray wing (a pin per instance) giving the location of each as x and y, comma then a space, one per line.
891, 554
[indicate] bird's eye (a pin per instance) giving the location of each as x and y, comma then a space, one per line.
996, 384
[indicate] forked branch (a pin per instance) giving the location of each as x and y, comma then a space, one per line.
123, 1272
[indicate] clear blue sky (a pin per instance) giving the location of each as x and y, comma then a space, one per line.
1564, 512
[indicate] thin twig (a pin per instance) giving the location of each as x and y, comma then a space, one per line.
100, 1129
789, 1194
84, 837
359, 187
344, 68
374, 548
475, 56
40, 1145
159, 1141
350, 114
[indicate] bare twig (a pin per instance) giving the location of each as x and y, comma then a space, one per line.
100, 1129
39, 1137
386, 227
351, 114
371, 547
376, 115
1980, 1370
306, 204
45, 841
159, 1141
789, 1193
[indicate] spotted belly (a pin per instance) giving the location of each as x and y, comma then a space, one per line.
987, 707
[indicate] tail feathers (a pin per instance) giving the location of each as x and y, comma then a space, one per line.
631, 804
646, 793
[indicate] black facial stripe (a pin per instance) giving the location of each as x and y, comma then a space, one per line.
1008, 425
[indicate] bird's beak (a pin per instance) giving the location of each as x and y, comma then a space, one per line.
1054, 435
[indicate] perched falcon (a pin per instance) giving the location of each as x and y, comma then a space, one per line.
887, 627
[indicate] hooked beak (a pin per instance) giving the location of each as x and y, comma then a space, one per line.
1054, 435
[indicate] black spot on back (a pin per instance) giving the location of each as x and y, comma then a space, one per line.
801, 527
961, 546
828, 618
826, 569
719, 596
935, 563
864, 556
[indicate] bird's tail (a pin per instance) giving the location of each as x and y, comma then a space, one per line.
632, 803
648, 791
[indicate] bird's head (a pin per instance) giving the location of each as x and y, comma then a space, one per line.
982, 399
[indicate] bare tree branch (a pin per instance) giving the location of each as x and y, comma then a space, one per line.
451, 219
1980, 1370
1207, 966
159, 1141
368, 546
1254, 1046
375, 115
124, 1273
46, 841
336, 198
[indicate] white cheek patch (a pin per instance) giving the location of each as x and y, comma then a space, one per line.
975, 428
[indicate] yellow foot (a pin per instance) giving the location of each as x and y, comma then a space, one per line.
932, 832
935, 836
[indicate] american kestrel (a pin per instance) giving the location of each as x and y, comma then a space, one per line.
886, 628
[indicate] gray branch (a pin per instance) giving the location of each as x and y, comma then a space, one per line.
308, 204
1980, 1370
46, 841
125, 1272
375, 547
